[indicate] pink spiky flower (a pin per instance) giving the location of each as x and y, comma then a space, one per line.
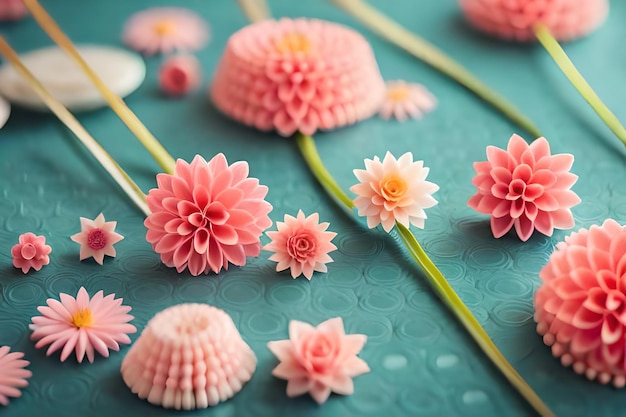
189, 356
319, 360
514, 19
96, 238
525, 187
12, 10
31, 251
301, 244
207, 215
580, 308
84, 325
297, 75
406, 101
13, 376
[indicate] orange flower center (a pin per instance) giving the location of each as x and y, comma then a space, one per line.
393, 188
164, 28
398, 94
293, 43
83, 318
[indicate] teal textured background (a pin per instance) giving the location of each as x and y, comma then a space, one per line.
423, 363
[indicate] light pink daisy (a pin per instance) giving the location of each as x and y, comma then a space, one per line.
394, 190
207, 215
179, 75
406, 100
30, 252
319, 360
165, 30
82, 325
12, 374
525, 187
514, 19
96, 238
12, 10
189, 356
297, 75
580, 308
301, 244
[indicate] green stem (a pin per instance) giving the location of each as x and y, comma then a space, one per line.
421, 49
569, 69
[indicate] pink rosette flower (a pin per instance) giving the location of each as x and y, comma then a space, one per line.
406, 100
514, 19
30, 252
580, 308
96, 238
301, 244
13, 376
297, 75
189, 356
207, 215
12, 10
319, 360
84, 325
179, 75
525, 187
393, 190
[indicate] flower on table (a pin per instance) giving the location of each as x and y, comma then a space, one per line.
406, 100
525, 187
301, 244
13, 376
31, 251
207, 215
84, 325
96, 238
12, 10
319, 360
393, 190
179, 75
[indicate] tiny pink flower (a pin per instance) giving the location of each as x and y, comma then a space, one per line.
319, 360
406, 100
96, 238
394, 190
525, 187
207, 215
31, 252
301, 244
163, 30
84, 325
179, 75
13, 376
580, 308
12, 10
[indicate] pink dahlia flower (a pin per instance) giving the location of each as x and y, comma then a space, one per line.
525, 186
514, 19
297, 75
301, 244
11, 10
83, 325
207, 215
319, 360
189, 356
393, 190
96, 238
12, 374
580, 308
406, 100
31, 251
179, 75
165, 30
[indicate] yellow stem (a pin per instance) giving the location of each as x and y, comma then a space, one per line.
255, 10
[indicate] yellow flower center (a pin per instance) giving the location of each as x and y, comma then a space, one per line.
293, 43
398, 94
164, 28
393, 188
83, 318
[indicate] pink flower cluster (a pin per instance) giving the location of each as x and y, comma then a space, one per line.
31, 252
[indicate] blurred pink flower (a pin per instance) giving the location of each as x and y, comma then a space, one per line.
297, 75
319, 360
96, 238
11, 10
514, 19
12, 374
393, 190
301, 244
580, 308
179, 75
406, 100
165, 30
30, 252
83, 325
207, 215
526, 187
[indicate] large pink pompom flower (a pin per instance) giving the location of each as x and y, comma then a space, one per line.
514, 19
297, 75
319, 360
31, 251
13, 376
207, 215
525, 187
11, 10
580, 308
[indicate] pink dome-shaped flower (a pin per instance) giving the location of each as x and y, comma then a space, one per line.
189, 356
11, 10
31, 251
13, 376
514, 19
525, 187
207, 215
297, 75
581, 307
